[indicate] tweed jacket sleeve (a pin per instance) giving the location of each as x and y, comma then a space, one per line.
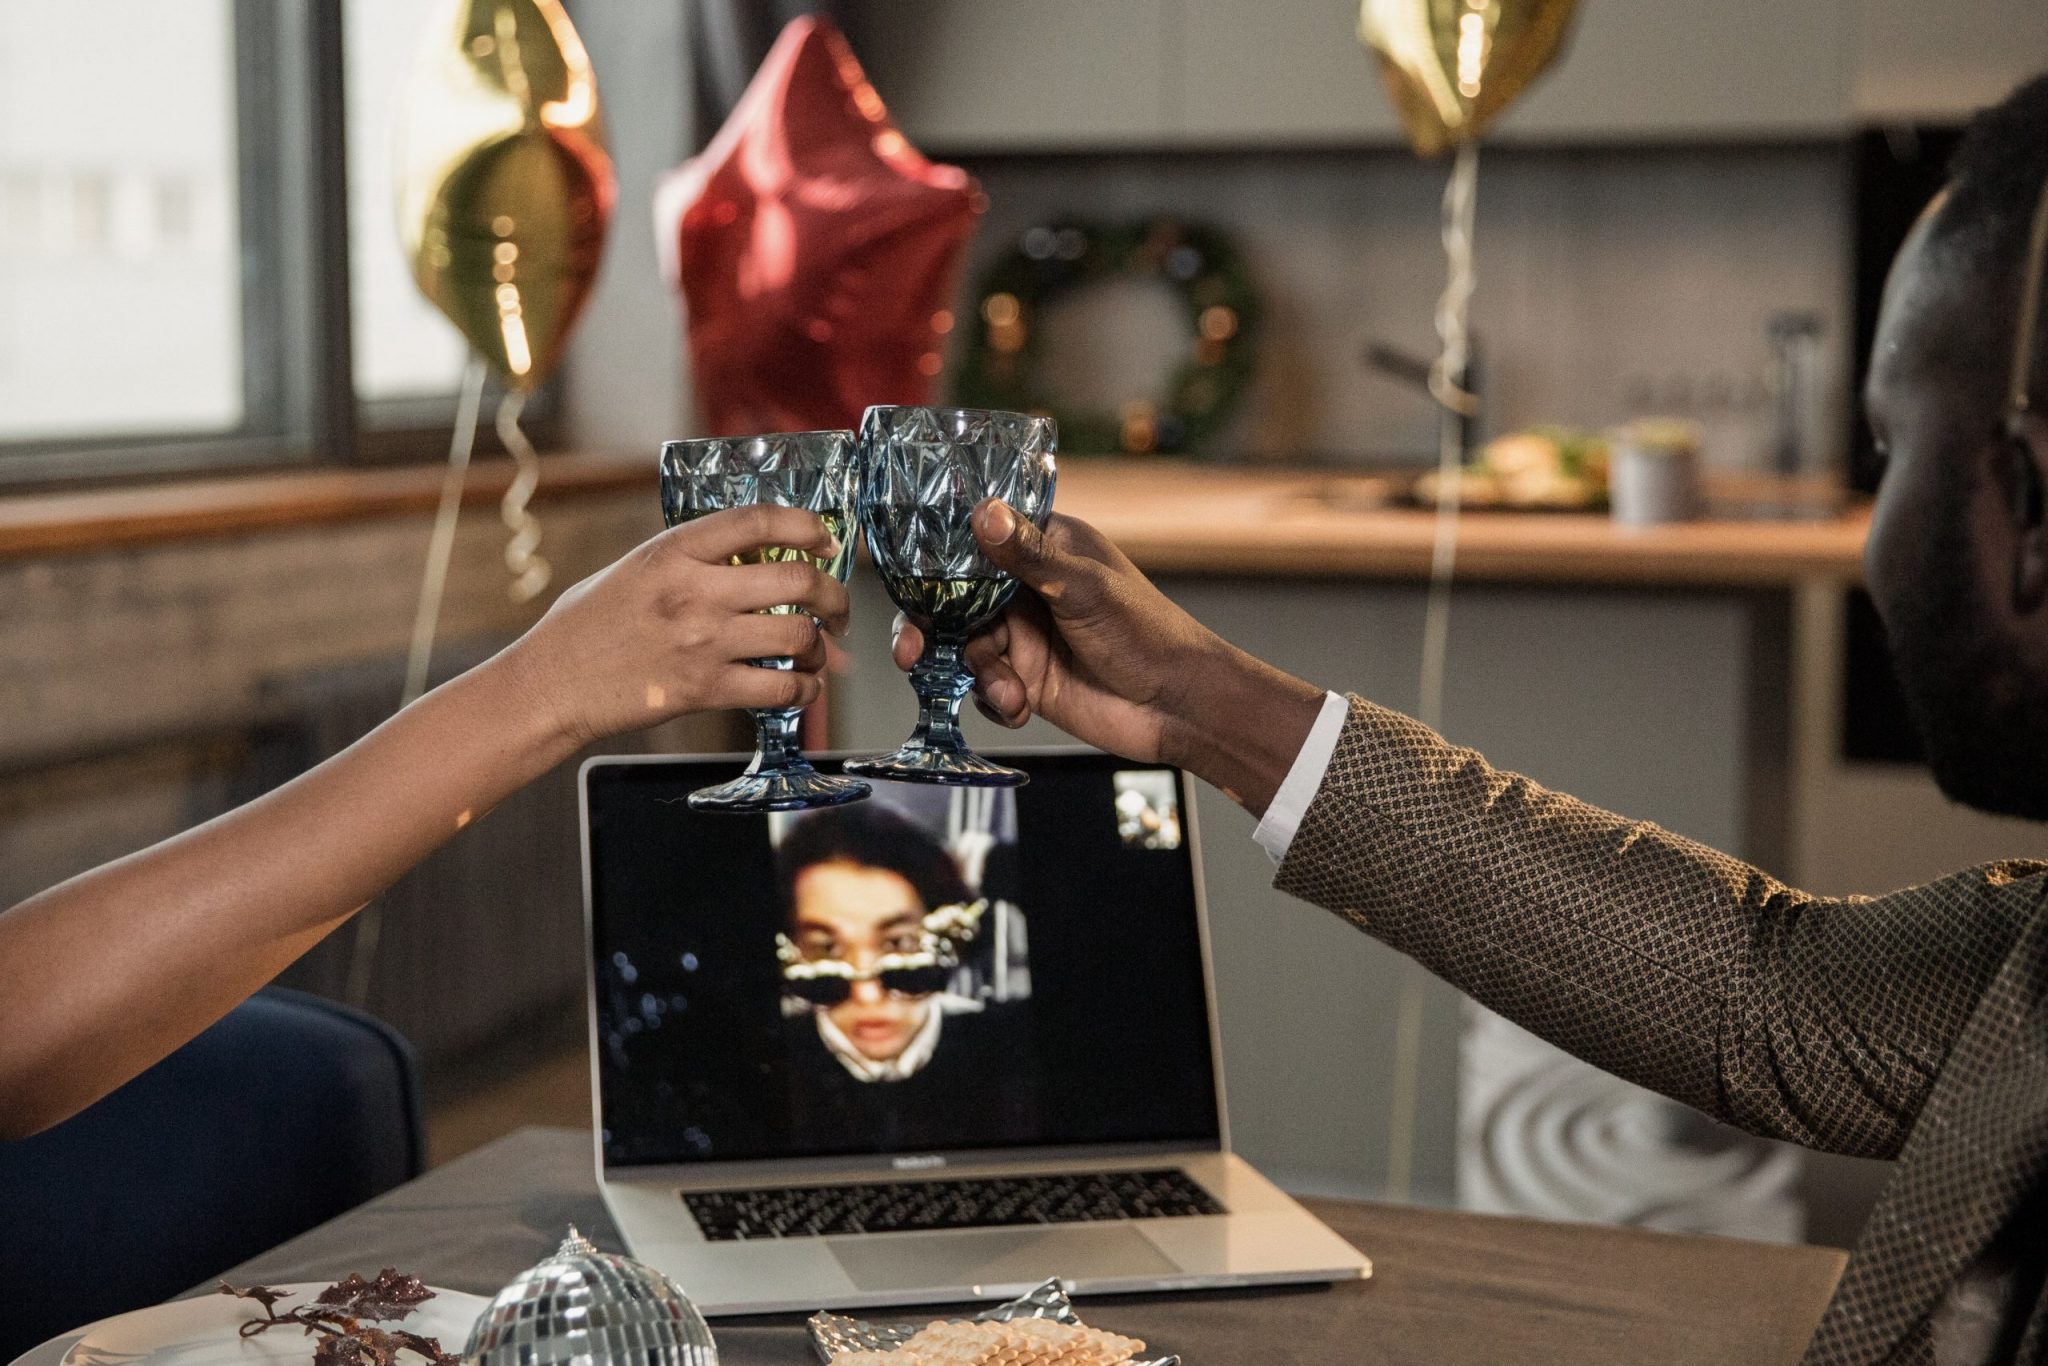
1819, 1020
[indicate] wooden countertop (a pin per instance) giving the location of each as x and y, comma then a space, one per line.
1171, 517
174, 509
1177, 518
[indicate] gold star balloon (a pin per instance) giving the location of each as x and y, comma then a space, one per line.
505, 188
1451, 66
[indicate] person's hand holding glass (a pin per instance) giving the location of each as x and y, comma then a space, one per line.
923, 473
816, 471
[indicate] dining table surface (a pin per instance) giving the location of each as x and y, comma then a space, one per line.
1447, 1287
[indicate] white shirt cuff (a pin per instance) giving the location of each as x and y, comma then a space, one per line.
1291, 802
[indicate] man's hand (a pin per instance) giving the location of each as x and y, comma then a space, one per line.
1101, 653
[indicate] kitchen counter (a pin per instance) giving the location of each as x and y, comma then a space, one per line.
1171, 517
35, 522
1175, 517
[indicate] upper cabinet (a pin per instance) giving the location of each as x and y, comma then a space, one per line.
1061, 75
1295, 72
1290, 72
1668, 70
1048, 75
1919, 59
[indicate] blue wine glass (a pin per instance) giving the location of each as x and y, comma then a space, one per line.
817, 471
923, 473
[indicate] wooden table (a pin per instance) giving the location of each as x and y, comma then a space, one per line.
1447, 1288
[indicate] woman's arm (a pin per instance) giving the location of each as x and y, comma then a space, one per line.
103, 975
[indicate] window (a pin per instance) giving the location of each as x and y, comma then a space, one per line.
199, 257
118, 240
404, 349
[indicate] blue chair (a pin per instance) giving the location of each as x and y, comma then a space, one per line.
287, 1112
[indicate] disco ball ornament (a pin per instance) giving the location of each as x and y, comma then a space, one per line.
582, 1307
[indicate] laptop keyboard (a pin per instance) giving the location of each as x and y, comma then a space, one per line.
904, 1206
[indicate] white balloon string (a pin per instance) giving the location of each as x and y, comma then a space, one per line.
368, 930
1453, 311
441, 544
530, 573
1453, 314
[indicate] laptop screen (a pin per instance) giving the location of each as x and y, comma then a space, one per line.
931, 970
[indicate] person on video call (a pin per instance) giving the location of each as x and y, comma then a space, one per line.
1912, 1025
103, 975
876, 917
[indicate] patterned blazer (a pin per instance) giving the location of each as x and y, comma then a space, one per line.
1912, 1025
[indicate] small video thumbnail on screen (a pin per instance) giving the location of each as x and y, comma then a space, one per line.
1147, 808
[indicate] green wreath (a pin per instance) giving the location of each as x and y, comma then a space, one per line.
1198, 262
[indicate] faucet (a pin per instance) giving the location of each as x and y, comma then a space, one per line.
1396, 363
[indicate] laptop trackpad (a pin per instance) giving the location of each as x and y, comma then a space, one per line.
999, 1256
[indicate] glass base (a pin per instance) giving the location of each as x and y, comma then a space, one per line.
921, 763
779, 789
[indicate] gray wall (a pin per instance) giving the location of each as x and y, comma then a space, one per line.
1610, 282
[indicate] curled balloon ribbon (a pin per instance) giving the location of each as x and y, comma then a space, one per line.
1451, 67
530, 573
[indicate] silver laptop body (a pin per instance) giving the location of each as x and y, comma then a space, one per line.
1261, 1237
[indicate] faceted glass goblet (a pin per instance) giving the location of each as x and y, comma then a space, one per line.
923, 473
816, 471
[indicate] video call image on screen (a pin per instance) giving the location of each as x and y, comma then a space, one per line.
931, 969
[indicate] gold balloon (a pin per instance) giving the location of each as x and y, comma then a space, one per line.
1451, 66
504, 186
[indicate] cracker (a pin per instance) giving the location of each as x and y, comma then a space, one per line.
1022, 1342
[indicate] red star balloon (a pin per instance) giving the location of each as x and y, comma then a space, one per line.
816, 249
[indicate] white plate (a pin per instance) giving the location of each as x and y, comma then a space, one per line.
206, 1332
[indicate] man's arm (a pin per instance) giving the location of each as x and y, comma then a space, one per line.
1822, 1021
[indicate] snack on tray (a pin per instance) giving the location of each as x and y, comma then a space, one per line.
1038, 1329
1548, 468
1020, 1342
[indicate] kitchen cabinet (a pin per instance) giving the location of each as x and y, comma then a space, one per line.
1640, 70
967, 76
994, 75
1291, 73
1918, 61
984, 76
1666, 70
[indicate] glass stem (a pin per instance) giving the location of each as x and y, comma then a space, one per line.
776, 742
942, 679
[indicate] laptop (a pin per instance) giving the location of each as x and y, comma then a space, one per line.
944, 1044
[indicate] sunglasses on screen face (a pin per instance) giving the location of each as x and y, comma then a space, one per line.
828, 982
